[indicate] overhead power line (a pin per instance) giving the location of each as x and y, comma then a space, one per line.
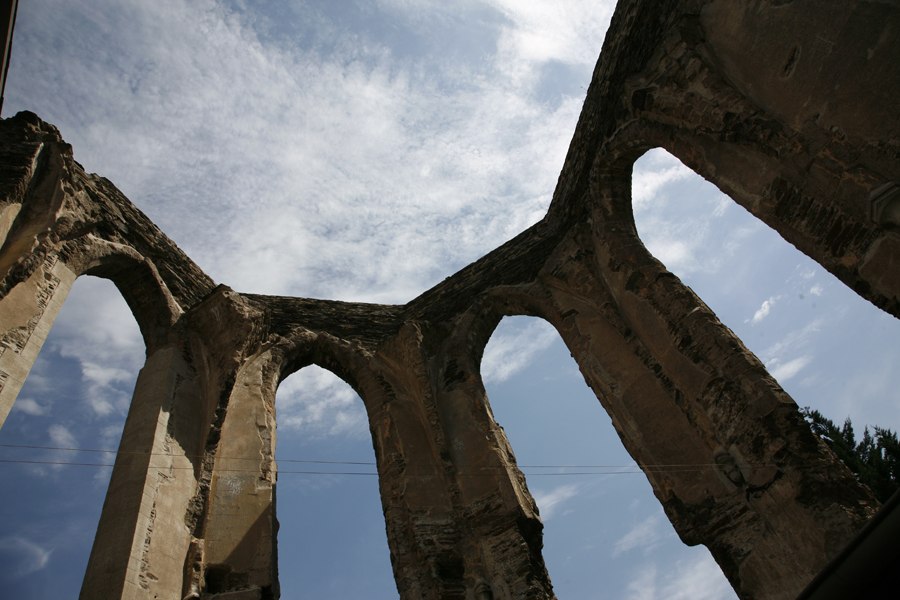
624, 470
595, 469
118, 452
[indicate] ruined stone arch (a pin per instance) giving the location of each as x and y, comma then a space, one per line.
678, 385
136, 278
138, 282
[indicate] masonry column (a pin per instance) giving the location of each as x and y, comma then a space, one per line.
239, 549
143, 538
460, 521
506, 531
34, 282
27, 313
751, 482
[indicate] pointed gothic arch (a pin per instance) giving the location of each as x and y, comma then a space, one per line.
72, 391
331, 529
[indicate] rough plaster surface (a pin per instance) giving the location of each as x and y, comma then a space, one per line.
743, 94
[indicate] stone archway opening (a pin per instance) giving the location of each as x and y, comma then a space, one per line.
829, 348
331, 538
76, 396
603, 527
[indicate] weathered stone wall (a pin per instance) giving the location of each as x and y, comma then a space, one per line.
744, 93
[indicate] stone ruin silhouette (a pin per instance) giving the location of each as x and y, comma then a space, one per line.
789, 107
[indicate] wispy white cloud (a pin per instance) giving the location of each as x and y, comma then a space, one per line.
101, 395
62, 437
699, 578
696, 577
319, 403
30, 406
543, 32
656, 170
763, 311
794, 341
97, 330
279, 165
551, 501
21, 557
662, 199
788, 370
645, 536
108, 437
643, 584
676, 254
510, 351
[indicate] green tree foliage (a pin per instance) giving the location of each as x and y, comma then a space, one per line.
875, 459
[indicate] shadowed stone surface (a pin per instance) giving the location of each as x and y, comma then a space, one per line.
743, 94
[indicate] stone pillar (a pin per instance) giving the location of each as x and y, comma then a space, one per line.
143, 539
34, 281
459, 518
239, 532
26, 314
752, 482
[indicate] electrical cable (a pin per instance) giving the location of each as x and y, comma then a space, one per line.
596, 469
633, 470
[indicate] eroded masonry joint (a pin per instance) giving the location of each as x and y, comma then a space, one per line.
743, 93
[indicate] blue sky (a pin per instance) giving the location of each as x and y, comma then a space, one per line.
364, 151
